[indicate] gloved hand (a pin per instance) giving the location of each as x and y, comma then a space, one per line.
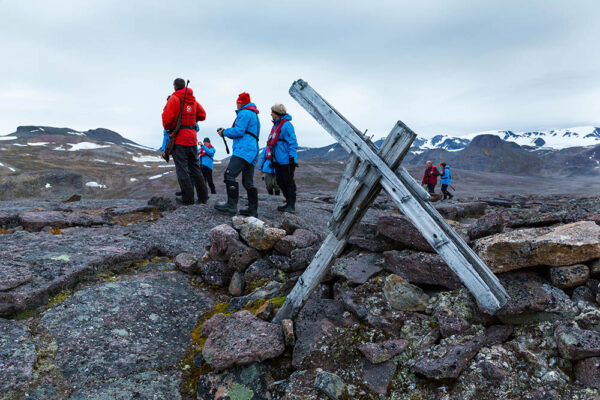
293, 162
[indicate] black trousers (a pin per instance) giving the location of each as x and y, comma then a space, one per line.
207, 173
285, 180
189, 174
236, 166
445, 191
430, 188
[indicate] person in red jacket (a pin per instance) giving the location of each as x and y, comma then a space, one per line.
185, 153
430, 177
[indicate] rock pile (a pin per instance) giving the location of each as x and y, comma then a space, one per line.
94, 313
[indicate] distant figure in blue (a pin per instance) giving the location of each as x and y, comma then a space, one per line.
206, 155
445, 176
245, 133
266, 169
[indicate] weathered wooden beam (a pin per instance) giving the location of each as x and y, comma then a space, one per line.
491, 297
331, 248
393, 149
398, 142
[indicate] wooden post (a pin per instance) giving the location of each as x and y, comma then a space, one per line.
360, 185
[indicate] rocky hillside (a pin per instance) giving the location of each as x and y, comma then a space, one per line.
46, 162
132, 299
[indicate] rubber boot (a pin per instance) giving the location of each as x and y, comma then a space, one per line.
283, 207
252, 210
232, 199
277, 193
291, 207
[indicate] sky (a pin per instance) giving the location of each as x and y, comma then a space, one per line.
441, 67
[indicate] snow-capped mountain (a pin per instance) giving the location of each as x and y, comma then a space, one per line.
557, 139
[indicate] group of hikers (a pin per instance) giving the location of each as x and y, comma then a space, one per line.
194, 165
430, 178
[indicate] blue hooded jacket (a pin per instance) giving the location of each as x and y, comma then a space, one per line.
207, 160
445, 176
265, 165
287, 145
245, 145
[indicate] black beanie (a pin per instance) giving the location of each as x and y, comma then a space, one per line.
206, 140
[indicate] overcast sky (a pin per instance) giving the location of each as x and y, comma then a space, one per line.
452, 67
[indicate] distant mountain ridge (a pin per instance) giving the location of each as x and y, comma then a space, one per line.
574, 150
99, 134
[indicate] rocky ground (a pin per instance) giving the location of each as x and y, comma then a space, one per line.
130, 299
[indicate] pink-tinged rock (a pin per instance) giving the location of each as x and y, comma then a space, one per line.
242, 339
36, 220
576, 344
224, 241
216, 273
497, 334
300, 239
377, 377
210, 324
382, 351
420, 267
487, 225
301, 258
587, 372
451, 361
366, 237
399, 229
358, 268
241, 258
187, 263
533, 299
563, 245
450, 323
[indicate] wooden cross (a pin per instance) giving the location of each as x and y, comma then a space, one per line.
370, 169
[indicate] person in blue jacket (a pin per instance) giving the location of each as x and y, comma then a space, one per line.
245, 133
266, 169
445, 177
282, 151
206, 154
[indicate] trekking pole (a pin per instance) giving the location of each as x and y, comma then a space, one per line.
224, 141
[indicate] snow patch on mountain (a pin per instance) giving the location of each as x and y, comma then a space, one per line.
8, 137
95, 185
86, 146
147, 159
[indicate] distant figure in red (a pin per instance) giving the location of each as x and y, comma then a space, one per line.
430, 177
185, 153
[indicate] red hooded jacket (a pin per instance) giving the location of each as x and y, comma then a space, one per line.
430, 176
192, 112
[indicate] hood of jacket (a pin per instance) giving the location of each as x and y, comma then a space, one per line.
189, 95
249, 106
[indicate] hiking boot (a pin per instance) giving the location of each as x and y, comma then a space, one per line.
277, 193
290, 208
252, 210
178, 193
179, 200
282, 208
230, 207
